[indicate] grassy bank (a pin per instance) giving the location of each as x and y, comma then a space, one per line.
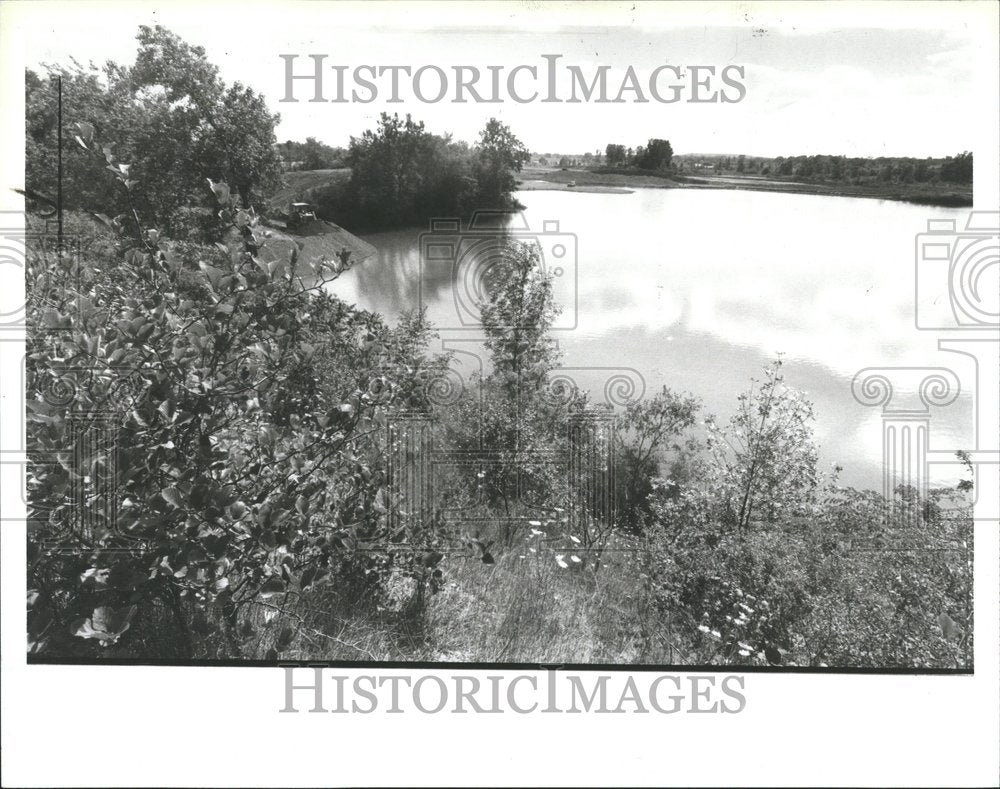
524, 608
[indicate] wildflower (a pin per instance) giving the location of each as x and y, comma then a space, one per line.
716, 634
560, 562
575, 559
534, 523
574, 539
745, 653
703, 628
745, 646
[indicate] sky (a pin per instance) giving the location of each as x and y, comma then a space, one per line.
857, 80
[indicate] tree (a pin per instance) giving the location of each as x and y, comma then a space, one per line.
401, 173
172, 118
510, 413
655, 156
499, 155
766, 458
615, 154
516, 318
387, 168
958, 169
242, 144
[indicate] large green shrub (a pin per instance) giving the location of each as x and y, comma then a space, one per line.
206, 430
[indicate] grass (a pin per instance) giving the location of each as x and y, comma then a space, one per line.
525, 608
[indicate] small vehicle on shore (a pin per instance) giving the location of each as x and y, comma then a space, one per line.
301, 213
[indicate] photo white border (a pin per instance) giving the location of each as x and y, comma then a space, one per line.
120, 726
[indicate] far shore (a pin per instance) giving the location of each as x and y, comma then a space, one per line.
535, 179
539, 185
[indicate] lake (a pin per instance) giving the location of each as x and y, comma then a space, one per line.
699, 289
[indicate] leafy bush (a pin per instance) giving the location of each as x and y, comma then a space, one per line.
205, 433
825, 575
649, 445
765, 461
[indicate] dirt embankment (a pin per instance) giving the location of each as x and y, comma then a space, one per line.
316, 240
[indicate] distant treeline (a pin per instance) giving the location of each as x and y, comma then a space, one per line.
817, 168
310, 155
655, 156
883, 169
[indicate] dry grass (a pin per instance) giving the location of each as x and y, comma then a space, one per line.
525, 608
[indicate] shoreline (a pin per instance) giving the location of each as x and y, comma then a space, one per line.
620, 183
541, 185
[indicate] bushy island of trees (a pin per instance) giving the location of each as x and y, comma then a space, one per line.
225, 458
400, 174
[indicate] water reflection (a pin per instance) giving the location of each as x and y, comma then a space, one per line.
700, 289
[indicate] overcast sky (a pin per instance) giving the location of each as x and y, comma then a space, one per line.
863, 81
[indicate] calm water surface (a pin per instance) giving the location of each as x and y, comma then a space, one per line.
699, 290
